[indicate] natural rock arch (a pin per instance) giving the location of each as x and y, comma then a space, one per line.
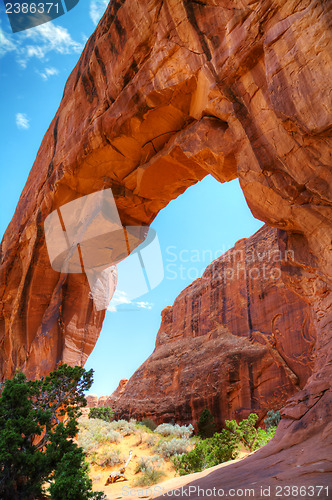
164, 93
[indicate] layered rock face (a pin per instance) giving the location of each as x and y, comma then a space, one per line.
164, 93
235, 341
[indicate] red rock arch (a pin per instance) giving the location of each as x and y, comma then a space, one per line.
164, 93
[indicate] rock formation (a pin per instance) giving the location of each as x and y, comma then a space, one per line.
235, 341
112, 400
165, 92
93, 400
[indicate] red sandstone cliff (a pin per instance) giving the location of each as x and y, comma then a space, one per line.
165, 92
237, 340
199, 88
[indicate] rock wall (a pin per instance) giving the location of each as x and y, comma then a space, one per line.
165, 92
235, 341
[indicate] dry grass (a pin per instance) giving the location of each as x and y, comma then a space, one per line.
107, 455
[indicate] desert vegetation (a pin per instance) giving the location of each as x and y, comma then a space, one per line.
167, 450
225, 445
103, 413
49, 450
107, 444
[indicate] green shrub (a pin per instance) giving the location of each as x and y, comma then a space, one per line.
223, 446
264, 436
206, 425
207, 453
87, 442
92, 433
183, 431
174, 446
127, 428
150, 476
145, 462
103, 413
113, 436
142, 464
188, 463
150, 424
150, 440
246, 432
109, 457
272, 419
71, 480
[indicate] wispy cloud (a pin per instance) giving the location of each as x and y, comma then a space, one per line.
84, 38
47, 72
22, 121
144, 305
120, 298
38, 42
97, 9
6, 44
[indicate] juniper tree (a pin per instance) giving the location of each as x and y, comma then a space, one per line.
38, 421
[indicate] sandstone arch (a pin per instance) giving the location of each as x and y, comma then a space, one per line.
164, 93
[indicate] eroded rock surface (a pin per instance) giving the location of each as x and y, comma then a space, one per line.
235, 341
164, 93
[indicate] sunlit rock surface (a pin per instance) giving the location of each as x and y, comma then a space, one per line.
235, 341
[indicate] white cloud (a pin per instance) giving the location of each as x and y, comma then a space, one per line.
84, 38
51, 37
120, 298
47, 72
38, 42
97, 9
34, 51
6, 44
22, 121
144, 305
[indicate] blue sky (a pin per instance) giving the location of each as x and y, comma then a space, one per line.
192, 230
